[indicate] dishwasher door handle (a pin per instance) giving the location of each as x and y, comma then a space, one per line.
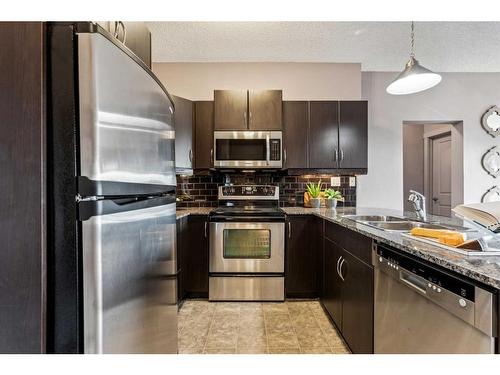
413, 281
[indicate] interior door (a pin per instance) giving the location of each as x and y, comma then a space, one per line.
230, 109
265, 109
441, 175
353, 134
332, 287
129, 277
323, 134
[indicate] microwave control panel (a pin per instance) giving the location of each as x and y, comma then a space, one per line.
275, 149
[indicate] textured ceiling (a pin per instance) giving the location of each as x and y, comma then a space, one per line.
378, 46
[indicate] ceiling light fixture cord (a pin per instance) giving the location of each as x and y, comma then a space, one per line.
412, 38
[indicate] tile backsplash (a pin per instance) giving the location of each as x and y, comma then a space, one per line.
202, 189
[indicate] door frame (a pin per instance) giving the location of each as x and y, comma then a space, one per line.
457, 160
429, 137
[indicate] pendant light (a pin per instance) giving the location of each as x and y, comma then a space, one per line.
414, 78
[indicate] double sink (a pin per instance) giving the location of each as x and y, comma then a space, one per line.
400, 224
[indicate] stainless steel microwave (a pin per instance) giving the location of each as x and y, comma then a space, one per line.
248, 149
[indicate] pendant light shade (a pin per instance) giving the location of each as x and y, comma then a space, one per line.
414, 78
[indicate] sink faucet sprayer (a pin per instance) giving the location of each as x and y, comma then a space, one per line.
418, 202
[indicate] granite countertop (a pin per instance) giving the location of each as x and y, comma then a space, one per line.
186, 211
485, 269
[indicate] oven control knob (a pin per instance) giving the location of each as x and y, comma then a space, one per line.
462, 302
380, 259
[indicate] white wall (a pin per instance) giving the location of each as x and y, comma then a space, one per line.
459, 97
299, 81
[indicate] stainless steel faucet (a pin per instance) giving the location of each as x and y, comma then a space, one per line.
418, 201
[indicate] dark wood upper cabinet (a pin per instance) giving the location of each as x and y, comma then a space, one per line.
138, 38
204, 134
230, 110
295, 134
301, 257
265, 109
183, 133
353, 134
323, 134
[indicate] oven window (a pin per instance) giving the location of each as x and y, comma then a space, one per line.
247, 243
240, 149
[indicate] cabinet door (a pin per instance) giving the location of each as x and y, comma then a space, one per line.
323, 134
181, 264
196, 257
301, 257
138, 38
265, 109
230, 110
295, 126
357, 294
204, 135
183, 133
332, 288
353, 134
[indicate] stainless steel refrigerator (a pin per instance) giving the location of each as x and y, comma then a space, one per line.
112, 279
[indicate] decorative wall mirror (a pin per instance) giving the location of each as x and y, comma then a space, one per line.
492, 195
491, 161
491, 121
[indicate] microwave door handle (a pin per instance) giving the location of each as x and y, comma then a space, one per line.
268, 150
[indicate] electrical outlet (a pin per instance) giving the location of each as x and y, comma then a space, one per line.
352, 181
335, 181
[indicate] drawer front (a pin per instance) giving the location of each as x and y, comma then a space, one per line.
246, 288
355, 243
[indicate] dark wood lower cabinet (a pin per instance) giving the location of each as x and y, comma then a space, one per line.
348, 286
332, 287
303, 249
357, 304
194, 266
181, 242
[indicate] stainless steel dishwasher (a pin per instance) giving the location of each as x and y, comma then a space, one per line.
422, 309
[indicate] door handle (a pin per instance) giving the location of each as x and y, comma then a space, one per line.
435, 199
116, 33
340, 269
338, 262
289, 229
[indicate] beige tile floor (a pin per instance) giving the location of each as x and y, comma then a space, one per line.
257, 328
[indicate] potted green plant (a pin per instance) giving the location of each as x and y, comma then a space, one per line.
314, 191
332, 196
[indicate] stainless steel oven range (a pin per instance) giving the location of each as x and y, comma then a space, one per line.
247, 245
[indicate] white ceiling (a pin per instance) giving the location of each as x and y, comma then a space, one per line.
378, 46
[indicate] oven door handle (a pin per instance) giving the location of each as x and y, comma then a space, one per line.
268, 150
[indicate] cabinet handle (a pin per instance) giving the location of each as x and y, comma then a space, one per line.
122, 25
341, 155
245, 117
249, 118
206, 226
190, 156
336, 155
211, 155
289, 229
338, 262
284, 156
340, 269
